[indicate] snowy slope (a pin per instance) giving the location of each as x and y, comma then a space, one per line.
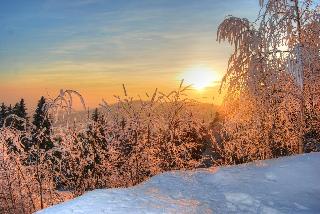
286, 185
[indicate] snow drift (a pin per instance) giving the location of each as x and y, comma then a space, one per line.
285, 185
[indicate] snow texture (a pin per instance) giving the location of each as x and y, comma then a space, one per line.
285, 185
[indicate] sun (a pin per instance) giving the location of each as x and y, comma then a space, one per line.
200, 77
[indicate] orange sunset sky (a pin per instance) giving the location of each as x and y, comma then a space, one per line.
94, 46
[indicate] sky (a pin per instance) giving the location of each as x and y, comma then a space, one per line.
95, 46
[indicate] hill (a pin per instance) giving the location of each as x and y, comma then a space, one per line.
284, 185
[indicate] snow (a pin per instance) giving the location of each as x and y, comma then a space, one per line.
285, 185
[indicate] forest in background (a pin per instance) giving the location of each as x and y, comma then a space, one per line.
271, 109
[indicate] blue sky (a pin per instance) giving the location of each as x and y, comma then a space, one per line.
95, 45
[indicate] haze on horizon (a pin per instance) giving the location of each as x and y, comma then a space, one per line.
94, 46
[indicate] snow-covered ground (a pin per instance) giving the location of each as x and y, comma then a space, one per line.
285, 185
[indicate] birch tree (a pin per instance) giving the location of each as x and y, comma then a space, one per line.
275, 61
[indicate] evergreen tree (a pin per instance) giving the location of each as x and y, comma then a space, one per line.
3, 113
8, 110
41, 129
95, 115
20, 110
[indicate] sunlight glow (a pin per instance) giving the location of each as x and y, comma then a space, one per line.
200, 77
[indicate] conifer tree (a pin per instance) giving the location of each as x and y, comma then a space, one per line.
7, 112
95, 115
3, 113
41, 126
20, 110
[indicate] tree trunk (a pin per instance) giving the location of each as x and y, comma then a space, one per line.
302, 100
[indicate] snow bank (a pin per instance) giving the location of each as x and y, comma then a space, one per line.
285, 185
